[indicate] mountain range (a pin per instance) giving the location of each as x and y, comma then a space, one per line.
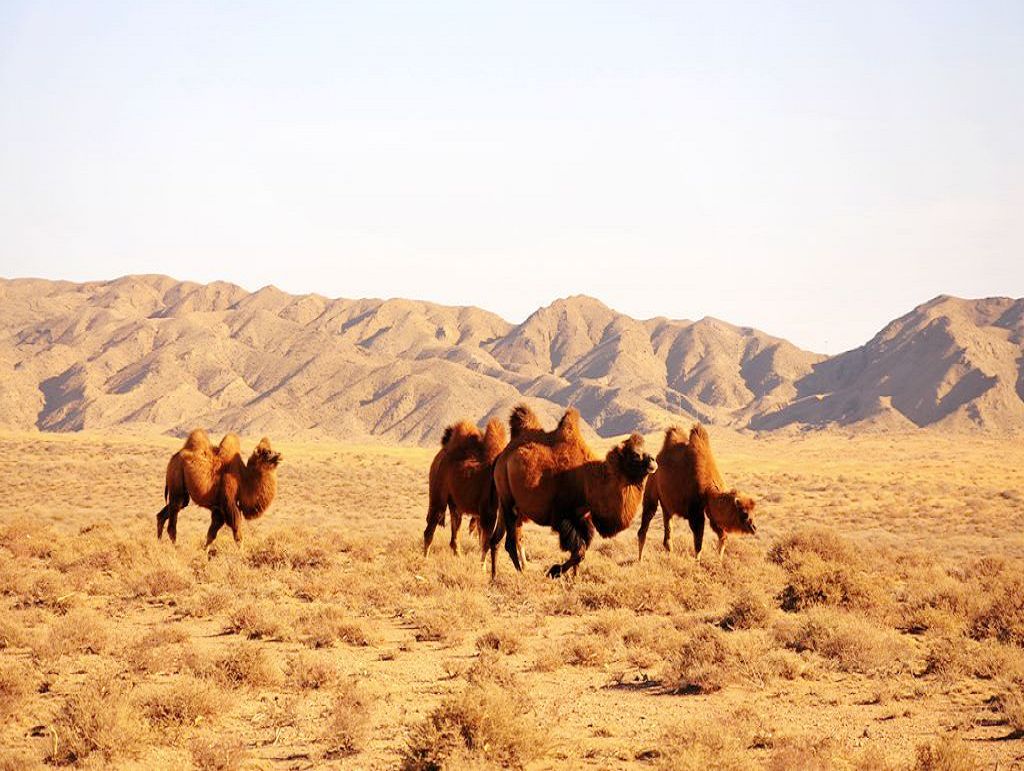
152, 353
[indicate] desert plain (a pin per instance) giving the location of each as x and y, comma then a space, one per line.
876, 621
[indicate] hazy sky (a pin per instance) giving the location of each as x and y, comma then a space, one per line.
813, 169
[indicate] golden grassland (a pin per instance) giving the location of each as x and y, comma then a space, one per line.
877, 621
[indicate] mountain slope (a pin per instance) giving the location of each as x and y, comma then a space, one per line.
950, 362
149, 351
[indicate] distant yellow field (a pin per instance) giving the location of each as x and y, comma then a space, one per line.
876, 622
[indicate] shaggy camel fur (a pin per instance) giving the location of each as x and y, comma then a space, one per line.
688, 484
217, 479
462, 480
553, 479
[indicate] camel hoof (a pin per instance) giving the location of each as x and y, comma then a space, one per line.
555, 571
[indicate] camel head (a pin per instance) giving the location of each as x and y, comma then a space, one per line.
734, 512
263, 457
632, 460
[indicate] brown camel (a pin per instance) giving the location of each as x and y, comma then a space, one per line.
462, 480
217, 479
688, 484
554, 479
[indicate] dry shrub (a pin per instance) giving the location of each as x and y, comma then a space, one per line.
12, 633
162, 648
207, 601
485, 724
823, 569
951, 658
323, 625
505, 639
851, 642
490, 667
349, 722
80, 631
548, 660
258, 620
705, 662
25, 537
696, 748
17, 681
1002, 617
451, 617
186, 701
18, 760
590, 650
1010, 705
211, 752
311, 671
248, 664
292, 550
44, 588
657, 586
804, 752
749, 610
99, 717
159, 573
945, 754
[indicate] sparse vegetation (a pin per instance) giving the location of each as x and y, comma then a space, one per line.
115, 650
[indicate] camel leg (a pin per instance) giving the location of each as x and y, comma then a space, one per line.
168, 515
512, 532
216, 523
504, 527
575, 558
666, 516
695, 517
521, 544
645, 522
574, 536
435, 517
721, 546
456, 525
161, 520
172, 525
233, 517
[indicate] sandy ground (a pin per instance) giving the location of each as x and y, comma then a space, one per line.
588, 668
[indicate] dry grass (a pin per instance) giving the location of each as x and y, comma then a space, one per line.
248, 664
484, 724
852, 643
186, 702
349, 721
881, 599
99, 718
17, 681
312, 671
945, 754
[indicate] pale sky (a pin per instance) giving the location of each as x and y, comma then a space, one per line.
813, 169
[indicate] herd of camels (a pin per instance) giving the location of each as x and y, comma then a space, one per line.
499, 481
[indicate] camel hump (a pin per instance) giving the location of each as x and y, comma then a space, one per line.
523, 419
197, 441
699, 434
447, 435
229, 446
569, 425
674, 435
460, 435
494, 438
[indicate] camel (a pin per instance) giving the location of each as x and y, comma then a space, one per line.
688, 484
217, 479
462, 481
554, 479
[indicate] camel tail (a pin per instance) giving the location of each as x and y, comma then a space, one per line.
523, 419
